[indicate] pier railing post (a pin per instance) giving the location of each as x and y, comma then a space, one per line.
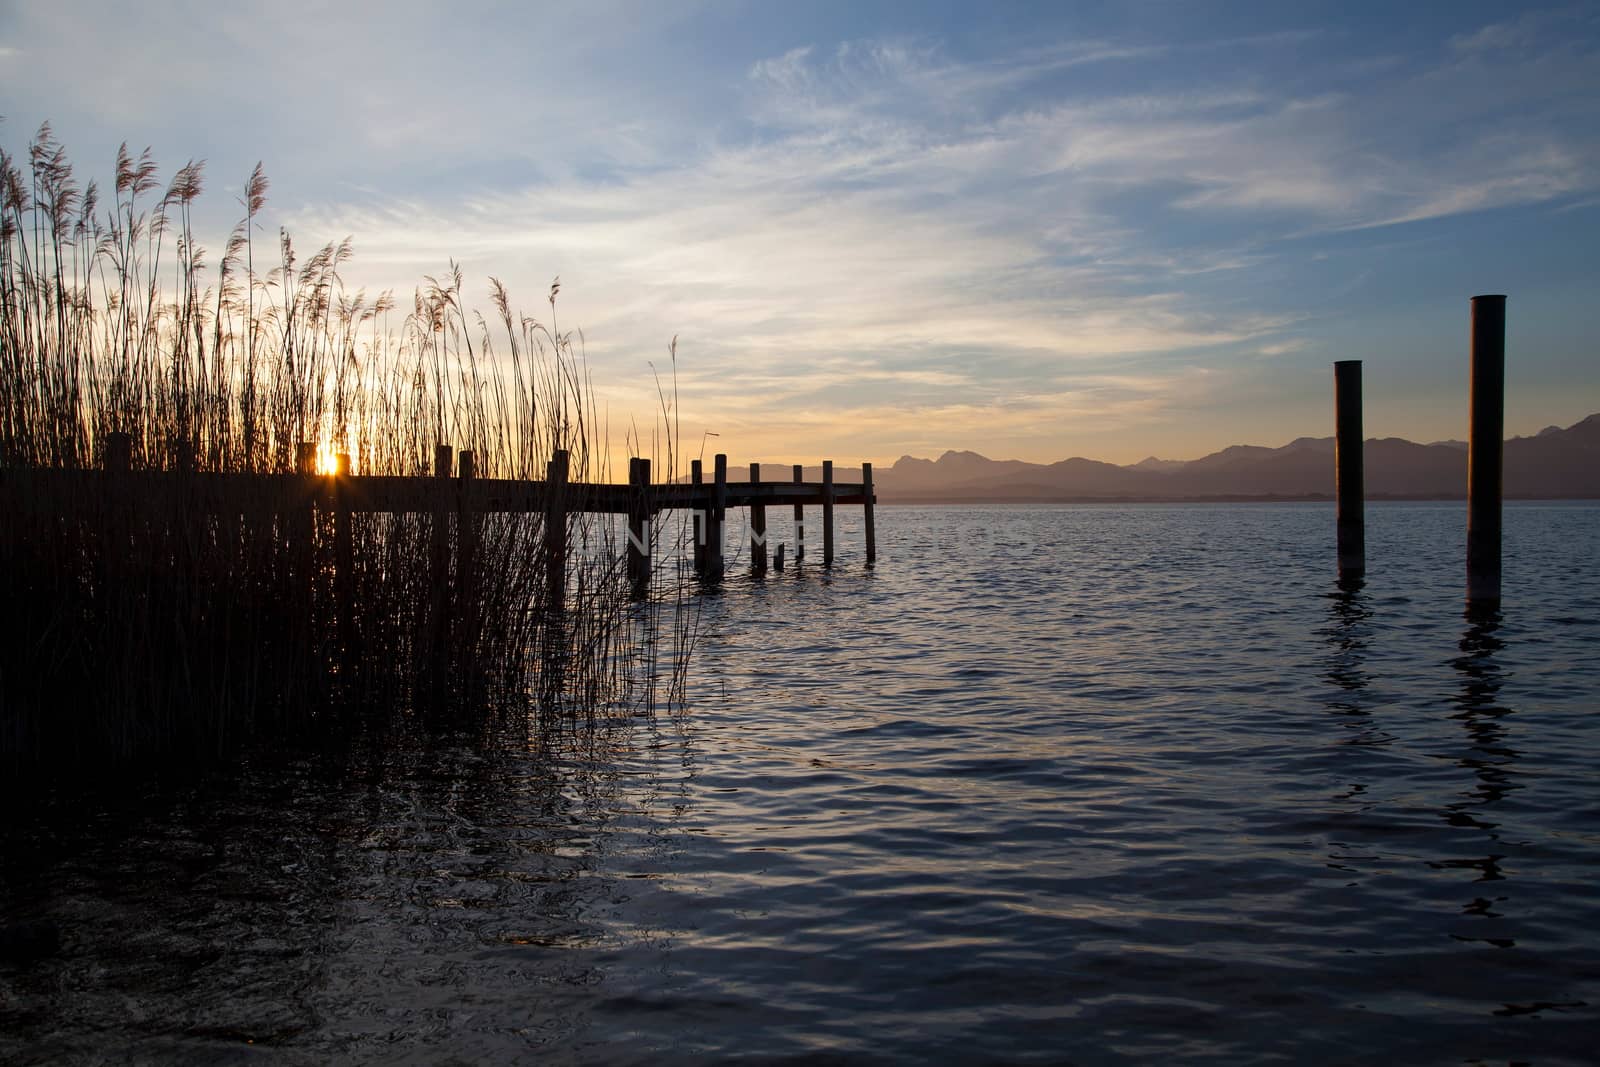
1349, 473
1485, 449
555, 529
799, 519
716, 516
827, 513
866, 516
697, 518
758, 527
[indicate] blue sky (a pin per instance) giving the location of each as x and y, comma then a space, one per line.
1034, 231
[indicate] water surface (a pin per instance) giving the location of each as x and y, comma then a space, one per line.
1095, 784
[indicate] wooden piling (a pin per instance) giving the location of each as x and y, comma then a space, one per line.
1485, 449
468, 530
300, 531
868, 524
116, 453
344, 556
1349, 473
639, 526
827, 513
758, 529
116, 458
555, 528
443, 463
777, 559
698, 519
799, 519
717, 515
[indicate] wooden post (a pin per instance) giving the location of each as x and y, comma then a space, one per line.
799, 519
443, 462
300, 530
639, 526
633, 534
827, 513
718, 514
758, 528
343, 555
467, 524
647, 518
867, 519
1485, 449
698, 520
116, 457
116, 453
1349, 474
555, 529
777, 559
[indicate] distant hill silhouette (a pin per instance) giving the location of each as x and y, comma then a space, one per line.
1555, 464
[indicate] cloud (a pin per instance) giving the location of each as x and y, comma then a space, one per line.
1082, 227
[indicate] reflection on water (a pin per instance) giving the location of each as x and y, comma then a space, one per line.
1491, 758
1115, 785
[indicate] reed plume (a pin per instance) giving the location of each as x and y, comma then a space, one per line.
137, 628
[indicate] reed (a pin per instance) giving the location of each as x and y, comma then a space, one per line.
138, 630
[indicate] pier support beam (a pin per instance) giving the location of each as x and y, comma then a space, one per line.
716, 515
344, 579
1349, 470
1485, 449
117, 453
758, 529
443, 466
698, 517
555, 529
467, 531
639, 527
799, 519
827, 513
866, 516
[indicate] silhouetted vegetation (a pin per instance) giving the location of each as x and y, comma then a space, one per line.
137, 627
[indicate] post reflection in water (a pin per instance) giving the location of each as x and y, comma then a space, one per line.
1490, 758
1349, 633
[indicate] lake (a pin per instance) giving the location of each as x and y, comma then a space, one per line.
1078, 783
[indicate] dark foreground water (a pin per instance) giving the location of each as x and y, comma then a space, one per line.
1060, 784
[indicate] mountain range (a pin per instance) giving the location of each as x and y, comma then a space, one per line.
1556, 463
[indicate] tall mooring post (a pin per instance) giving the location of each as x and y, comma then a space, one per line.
1485, 449
799, 518
758, 528
1349, 469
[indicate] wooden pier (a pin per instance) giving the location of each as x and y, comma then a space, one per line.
456, 496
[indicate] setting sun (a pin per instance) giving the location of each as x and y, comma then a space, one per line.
327, 460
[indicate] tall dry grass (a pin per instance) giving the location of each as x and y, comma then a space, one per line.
134, 630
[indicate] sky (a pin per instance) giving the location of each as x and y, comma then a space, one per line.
1034, 231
